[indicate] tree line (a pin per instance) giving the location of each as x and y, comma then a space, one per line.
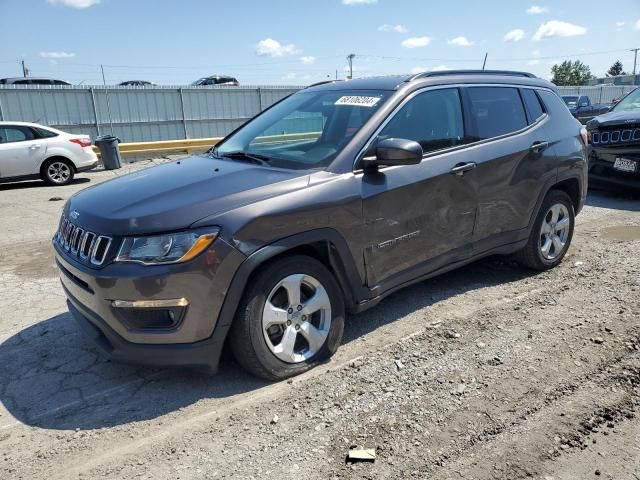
577, 73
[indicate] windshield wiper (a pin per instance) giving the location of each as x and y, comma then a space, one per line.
252, 157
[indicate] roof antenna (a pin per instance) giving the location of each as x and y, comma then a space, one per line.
485, 60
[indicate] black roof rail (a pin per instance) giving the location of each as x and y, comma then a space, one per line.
323, 83
440, 73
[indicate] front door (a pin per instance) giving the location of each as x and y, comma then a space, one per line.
420, 217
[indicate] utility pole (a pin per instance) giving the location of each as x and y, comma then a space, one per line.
635, 58
25, 70
485, 60
106, 92
350, 58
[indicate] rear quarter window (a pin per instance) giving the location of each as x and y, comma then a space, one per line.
496, 111
555, 106
532, 104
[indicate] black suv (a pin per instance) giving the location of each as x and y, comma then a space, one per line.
326, 202
615, 145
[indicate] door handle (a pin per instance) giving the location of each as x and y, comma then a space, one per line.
462, 168
538, 147
34, 147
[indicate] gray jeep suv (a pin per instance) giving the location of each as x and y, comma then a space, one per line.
323, 204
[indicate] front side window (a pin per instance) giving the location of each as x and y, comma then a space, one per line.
15, 134
305, 131
496, 111
433, 119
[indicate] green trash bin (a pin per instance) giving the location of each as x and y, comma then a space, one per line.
109, 151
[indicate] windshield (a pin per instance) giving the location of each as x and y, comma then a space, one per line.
306, 130
570, 101
630, 102
200, 81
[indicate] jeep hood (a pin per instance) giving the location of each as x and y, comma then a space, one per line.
174, 195
626, 118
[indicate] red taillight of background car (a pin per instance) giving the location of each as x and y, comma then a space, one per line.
584, 135
83, 142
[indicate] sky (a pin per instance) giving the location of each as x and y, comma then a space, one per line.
298, 42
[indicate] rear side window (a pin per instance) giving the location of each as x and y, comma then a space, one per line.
42, 133
532, 104
433, 119
496, 111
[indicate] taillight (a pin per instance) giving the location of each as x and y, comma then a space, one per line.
83, 142
584, 135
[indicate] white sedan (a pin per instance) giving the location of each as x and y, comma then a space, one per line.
29, 151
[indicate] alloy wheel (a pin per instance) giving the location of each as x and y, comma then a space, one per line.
59, 172
554, 231
296, 318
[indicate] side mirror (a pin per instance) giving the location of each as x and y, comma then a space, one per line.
394, 151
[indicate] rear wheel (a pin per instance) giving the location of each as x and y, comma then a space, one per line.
57, 171
290, 319
551, 234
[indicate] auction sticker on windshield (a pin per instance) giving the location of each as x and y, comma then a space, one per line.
358, 101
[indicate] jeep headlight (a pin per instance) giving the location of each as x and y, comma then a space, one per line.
167, 248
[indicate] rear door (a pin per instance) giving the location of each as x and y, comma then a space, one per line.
420, 217
21, 152
514, 161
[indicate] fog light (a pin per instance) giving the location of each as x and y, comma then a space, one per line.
150, 314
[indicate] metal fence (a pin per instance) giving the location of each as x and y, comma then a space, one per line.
139, 114
598, 93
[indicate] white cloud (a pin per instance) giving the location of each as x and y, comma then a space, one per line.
536, 10
638, 25
359, 2
308, 60
558, 28
75, 3
460, 42
415, 42
392, 28
57, 54
514, 35
619, 24
273, 48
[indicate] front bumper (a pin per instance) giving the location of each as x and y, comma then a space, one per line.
601, 171
204, 281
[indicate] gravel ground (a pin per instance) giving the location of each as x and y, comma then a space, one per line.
487, 372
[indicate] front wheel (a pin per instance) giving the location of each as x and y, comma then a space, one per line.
57, 171
290, 319
551, 234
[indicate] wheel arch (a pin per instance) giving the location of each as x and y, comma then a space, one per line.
325, 245
57, 157
571, 186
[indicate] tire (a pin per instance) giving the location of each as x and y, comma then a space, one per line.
298, 338
57, 172
548, 244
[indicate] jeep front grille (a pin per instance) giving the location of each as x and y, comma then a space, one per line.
88, 246
615, 136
